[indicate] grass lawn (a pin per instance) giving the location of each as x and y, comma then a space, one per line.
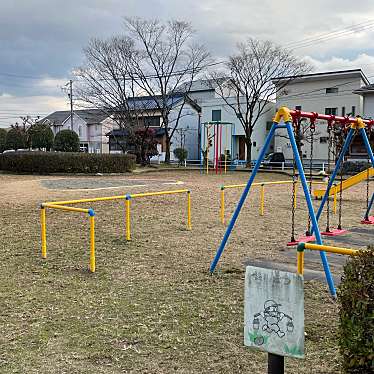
151, 307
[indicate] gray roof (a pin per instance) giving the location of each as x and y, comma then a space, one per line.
369, 89
198, 85
91, 116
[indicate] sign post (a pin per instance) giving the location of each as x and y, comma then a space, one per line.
274, 315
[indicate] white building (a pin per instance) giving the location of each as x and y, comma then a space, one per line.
90, 125
214, 108
328, 93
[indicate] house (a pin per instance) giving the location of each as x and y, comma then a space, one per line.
91, 125
184, 117
215, 108
333, 92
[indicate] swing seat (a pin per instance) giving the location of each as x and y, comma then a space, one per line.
369, 221
333, 232
302, 239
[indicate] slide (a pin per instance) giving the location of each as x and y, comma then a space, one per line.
360, 177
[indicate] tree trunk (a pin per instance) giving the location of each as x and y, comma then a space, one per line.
248, 143
167, 149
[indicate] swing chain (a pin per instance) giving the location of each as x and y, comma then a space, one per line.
312, 129
329, 131
293, 191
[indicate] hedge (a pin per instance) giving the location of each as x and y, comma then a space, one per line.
356, 299
65, 162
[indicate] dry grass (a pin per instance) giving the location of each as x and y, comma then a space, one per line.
151, 307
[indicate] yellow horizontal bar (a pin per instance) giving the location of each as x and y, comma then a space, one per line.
268, 183
328, 248
89, 200
157, 193
67, 208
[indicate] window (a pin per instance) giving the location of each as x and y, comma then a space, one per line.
298, 107
343, 111
353, 112
268, 125
216, 115
254, 144
331, 111
331, 90
152, 121
323, 139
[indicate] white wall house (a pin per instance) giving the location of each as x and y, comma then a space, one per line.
328, 93
90, 125
214, 108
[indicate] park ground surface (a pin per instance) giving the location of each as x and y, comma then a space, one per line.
151, 306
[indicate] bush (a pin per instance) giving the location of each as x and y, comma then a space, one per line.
180, 154
356, 298
41, 136
3, 133
65, 162
15, 139
354, 167
66, 141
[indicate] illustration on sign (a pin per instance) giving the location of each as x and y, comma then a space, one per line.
274, 311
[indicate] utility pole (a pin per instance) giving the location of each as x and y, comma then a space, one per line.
71, 104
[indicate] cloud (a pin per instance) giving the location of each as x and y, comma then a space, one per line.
44, 38
362, 61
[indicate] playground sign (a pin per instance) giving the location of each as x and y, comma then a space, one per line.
274, 311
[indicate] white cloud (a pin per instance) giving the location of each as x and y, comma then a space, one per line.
362, 61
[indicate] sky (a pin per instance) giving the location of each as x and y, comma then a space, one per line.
41, 41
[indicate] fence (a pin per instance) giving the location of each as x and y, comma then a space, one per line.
62, 205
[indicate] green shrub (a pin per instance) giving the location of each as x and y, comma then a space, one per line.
65, 162
356, 299
41, 136
181, 154
66, 141
3, 133
15, 139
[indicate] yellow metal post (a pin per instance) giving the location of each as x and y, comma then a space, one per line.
128, 223
300, 262
222, 205
92, 244
43, 232
189, 210
262, 200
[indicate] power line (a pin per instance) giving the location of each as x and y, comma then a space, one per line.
331, 35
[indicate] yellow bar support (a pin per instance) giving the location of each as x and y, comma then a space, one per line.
262, 200
328, 248
189, 210
300, 263
222, 205
158, 193
92, 244
128, 223
66, 208
43, 232
89, 200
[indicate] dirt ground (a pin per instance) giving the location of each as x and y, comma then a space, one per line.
152, 306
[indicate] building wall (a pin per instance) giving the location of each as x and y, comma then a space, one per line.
368, 105
311, 95
187, 130
230, 137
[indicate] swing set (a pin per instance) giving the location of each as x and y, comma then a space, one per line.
287, 119
216, 138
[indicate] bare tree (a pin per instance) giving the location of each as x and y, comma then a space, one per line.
166, 63
245, 84
105, 82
